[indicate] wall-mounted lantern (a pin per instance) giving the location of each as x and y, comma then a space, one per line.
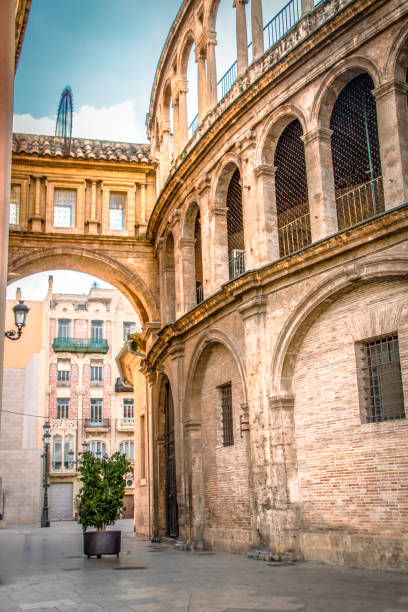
20, 315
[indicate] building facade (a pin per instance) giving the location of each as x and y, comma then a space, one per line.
86, 399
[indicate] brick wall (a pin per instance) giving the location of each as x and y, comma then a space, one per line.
353, 476
107, 381
52, 405
74, 397
226, 498
86, 377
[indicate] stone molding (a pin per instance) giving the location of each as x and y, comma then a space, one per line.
320, 133
253, 306
375, 322
265, 169
390, 87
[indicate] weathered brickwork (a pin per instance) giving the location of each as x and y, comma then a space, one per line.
353, 476
74, 376
107, 381
52, 401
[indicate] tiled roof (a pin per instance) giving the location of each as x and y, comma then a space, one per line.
81, 148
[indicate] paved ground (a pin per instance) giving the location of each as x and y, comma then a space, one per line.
44, 569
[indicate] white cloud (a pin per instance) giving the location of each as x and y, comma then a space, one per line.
118, 122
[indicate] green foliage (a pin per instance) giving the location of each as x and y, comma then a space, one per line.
103, 486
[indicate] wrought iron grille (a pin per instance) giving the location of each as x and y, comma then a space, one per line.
235, 226
192, 127
227, 421
356, 153
198, 260
382, 384
291, 191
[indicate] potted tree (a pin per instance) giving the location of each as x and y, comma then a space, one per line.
100, 501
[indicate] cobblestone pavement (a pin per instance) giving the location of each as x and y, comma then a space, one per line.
44, 569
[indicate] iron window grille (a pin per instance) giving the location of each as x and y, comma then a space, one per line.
62, 408
117, 205
96, 412
15, 201
381, 380
226, 414
235, 227
64, 207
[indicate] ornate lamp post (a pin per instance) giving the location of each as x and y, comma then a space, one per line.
46, 441
20, 314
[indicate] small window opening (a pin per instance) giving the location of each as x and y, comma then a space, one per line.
226, 415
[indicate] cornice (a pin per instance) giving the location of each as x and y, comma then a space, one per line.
120, 242
240, 291
55, 162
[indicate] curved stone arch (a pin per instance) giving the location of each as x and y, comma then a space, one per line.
207, 338
394, 68
335, 81
210, 14
316, 302
166, 97
222, 177
127, 281
189, 39
273, 128
188, 216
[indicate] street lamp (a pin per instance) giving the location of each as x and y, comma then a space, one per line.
46, 442
20, 314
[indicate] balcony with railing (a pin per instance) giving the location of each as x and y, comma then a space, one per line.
236, 263
80, 345
360, 202
125, 424
99, 424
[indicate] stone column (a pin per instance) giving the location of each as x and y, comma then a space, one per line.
92, 222
253, 422
164, 151
194, 485
392, 116
307, 6
189, 273
219, 248
241, 33
285, 523
36, 221
212, 96
267, 233
320, 183
176, 127
183, 120
202, 84
257, 29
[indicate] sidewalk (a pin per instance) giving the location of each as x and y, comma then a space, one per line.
44, 569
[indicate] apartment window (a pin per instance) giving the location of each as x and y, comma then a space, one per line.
117, 205
226, 415
128, 329
96, 330
62, 407
15, 203
380, 380
96, 411
64, 328
96, 374
63, 372
127, 448
128, 408
97, 448
68, 445
64, 207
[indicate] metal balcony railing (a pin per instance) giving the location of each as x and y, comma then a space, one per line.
274, 30
199, 293
295, 235
360, 203
99, 424
192, 127
236, 265
80, 345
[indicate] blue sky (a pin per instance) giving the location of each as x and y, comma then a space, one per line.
108, 53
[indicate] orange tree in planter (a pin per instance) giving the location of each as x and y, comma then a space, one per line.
103, 486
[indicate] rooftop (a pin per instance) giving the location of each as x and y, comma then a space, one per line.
81, 148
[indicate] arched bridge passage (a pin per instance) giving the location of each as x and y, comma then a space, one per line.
135, 279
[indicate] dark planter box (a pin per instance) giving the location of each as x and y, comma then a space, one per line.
102, 543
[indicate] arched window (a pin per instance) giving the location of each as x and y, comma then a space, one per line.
291, 191
192, 94
170, 280
97, 448
127, 448
356, 154
235, 227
